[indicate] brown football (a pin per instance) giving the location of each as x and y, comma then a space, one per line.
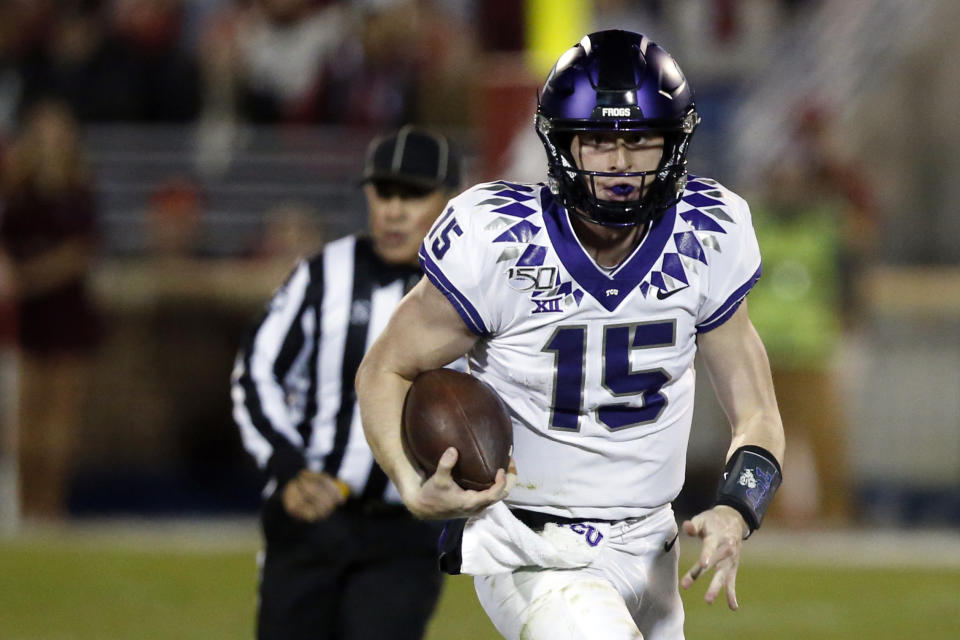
445, 408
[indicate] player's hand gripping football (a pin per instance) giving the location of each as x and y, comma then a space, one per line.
440, 498
721, 530
312, 496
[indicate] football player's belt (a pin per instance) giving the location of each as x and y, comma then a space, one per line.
537, 520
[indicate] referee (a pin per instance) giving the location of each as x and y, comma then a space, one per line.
343, 557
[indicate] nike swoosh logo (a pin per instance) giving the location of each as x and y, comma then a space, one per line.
663, 296
669, 545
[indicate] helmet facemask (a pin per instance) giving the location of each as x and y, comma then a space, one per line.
576, 187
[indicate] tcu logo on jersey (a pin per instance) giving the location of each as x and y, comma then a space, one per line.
588, 531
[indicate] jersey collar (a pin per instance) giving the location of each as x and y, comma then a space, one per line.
607, 289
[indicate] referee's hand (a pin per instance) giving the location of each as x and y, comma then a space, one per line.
312, 496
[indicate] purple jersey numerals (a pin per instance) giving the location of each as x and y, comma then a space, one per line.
442, 242
568, 344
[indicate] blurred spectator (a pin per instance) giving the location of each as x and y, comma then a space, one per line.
449, 65
114, 67
151, 30
373, 77
369, 63
264, 61
365, 63
48, 229
79, 63
815, 146
816, 226
809, 223
796, 308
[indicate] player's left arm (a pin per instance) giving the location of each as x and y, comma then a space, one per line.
737, 364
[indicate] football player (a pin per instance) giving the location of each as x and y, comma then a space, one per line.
583, 302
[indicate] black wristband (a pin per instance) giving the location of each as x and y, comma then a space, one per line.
751, 477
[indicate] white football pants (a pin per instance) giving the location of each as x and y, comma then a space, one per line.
628, 593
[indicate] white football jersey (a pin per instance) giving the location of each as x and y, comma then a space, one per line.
596, 366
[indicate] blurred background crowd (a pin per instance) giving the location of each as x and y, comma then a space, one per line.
164, 162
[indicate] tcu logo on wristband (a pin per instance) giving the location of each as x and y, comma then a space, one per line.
758, 483
747, 479
749, 482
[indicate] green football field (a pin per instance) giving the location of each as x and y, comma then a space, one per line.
154, 584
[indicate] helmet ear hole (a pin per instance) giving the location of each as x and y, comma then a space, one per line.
563, 141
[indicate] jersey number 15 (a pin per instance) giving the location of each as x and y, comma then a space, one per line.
569, 348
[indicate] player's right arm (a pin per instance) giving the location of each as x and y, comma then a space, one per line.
425, 332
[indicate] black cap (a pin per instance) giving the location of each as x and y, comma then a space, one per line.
413, 156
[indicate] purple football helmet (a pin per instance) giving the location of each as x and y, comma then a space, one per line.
614, 81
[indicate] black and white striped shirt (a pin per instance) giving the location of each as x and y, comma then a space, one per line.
293, 395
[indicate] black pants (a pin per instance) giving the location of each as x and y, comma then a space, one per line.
354, 576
